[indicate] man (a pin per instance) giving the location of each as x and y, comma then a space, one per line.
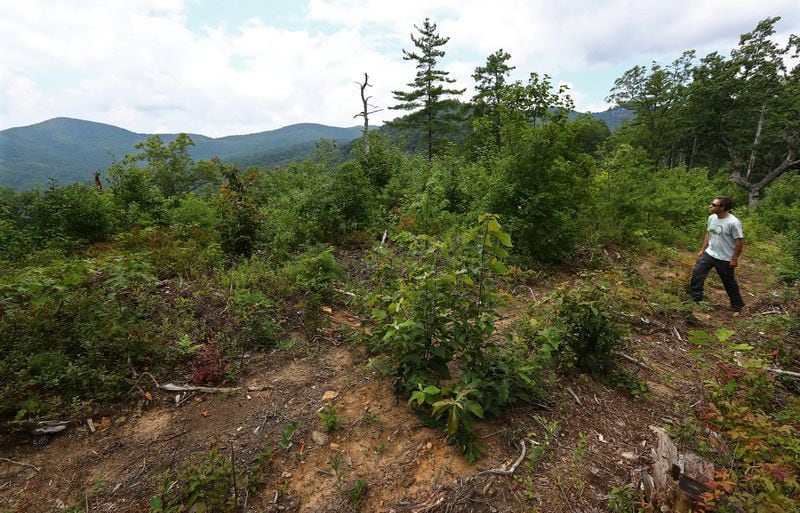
721, 249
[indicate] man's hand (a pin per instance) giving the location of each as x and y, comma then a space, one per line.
700, 253
734, 262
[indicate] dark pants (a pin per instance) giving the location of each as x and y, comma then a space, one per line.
700, 272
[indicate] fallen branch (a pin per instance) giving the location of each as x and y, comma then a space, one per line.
37, 469
783, 372
45, 427
770, 369
427, 507
340, 291
171, 387
509, 471
457, 493
575, 396
632, 359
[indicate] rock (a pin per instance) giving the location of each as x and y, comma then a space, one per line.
329, 395
334, 446
629, 456
319, 438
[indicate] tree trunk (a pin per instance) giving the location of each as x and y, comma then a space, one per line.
741, 175
366, 112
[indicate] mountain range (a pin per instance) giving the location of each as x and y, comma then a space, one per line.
70, 150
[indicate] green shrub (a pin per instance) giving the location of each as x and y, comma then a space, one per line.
637, 202
589, 331
239, 217
434, 307
205, 482
542, 191
315, 272
193, 212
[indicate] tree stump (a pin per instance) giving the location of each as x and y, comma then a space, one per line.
679, 479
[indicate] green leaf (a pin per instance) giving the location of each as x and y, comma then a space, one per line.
452, 422
72, 279
498, 251
475, 408
504, 238
40, 300
498, 267
723, 334
741, 347
493, 226
432, 390
418, 396
156, 505
700, 338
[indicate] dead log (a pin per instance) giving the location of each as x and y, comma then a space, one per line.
679, 479
170, 387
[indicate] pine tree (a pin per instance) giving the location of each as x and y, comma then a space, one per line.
433, 112
490, 86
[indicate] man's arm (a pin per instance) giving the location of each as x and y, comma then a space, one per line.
737, 250
705, 245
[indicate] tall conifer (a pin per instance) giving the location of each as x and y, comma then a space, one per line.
434, 113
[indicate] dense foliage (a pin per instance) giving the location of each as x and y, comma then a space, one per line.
182, 266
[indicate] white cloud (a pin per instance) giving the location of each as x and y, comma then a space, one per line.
137, 64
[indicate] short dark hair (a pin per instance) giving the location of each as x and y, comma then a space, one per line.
725, 202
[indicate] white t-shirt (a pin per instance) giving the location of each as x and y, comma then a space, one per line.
722, 235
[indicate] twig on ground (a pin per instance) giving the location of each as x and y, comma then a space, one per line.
456, 493
784, 372
575, 396
171, 387
505, 472
37, 469
346, 293
631, 359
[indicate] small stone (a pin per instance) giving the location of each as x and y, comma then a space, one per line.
334, 446
120, 420
629, 456
319, 438
330, 394
429, 445
286, 475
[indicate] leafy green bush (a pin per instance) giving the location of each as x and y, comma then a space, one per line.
239, 217
205, 482
542, 191
589, 331
74, 328
315, 272
435, 310
192, 212
637, 202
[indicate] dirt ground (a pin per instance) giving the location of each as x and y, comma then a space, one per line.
602, 439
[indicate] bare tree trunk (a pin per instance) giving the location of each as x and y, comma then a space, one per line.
757, 140
742, 177
365, 111
694, 148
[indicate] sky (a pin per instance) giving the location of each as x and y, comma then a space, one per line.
228, 67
